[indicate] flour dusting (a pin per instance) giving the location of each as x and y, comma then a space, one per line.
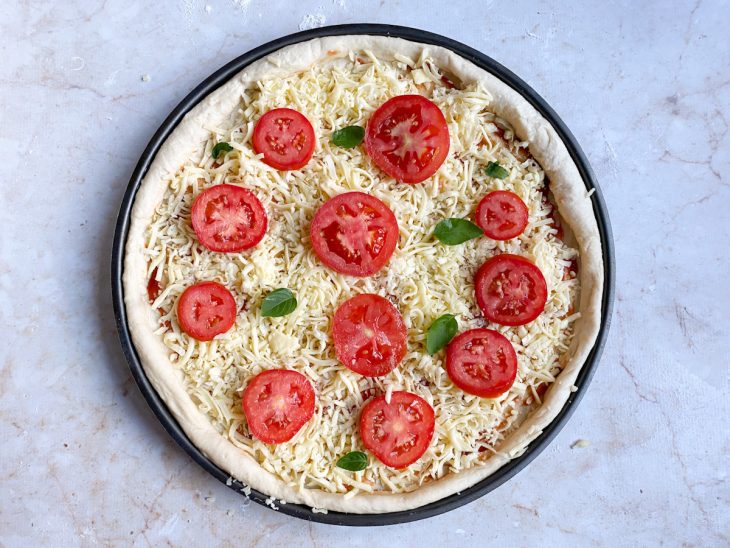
242, 4
312, 21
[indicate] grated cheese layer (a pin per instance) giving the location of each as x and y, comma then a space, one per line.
424, 278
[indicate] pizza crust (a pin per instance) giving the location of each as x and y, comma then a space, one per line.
547, 148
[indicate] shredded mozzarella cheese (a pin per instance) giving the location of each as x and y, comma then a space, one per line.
423, 278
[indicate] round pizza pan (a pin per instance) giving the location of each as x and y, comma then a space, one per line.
219, 78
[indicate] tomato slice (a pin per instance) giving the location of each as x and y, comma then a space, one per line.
205, 310
502, 215
399, 432
407, 137
510, 290
285, 138
228, 218
277, 403
354, 233
482, 362
369, 335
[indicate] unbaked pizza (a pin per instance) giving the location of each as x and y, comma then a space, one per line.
363, 274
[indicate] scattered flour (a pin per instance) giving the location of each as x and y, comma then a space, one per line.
79, 63
169, 525
242, 4
312, 21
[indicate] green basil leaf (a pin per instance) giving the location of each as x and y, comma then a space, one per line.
354, 461
456, 231
219, 148
279, 302
493, 169
442, 330
348, 137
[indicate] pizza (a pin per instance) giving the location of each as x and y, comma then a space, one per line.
363, 274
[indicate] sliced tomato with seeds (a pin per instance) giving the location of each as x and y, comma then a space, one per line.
228, 219
205, 310
502, 215
397, 433
354, 233
285, 137
277, 403
407, 137
481, 362
369, 335
510, 290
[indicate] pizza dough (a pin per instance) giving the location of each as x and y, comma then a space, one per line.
566, 185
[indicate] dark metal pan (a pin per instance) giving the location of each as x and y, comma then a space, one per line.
219, 78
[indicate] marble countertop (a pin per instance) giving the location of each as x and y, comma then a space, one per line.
644, 87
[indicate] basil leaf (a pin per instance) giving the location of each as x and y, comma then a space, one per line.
354, 461
348, 137
279, 302
219, 148
493, 169
442, 330
456, 231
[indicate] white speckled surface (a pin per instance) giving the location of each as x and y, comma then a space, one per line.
646, 90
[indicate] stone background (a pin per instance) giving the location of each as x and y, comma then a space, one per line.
644, 86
